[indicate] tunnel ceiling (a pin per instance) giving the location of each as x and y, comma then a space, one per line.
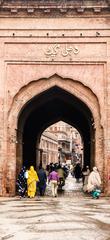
52, 106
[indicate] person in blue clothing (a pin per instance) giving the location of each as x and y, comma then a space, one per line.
22, 182
42, 181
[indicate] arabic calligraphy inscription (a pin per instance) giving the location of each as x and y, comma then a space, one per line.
54, 50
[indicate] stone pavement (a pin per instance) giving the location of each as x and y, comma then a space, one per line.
55, 218
77, 218
70, 216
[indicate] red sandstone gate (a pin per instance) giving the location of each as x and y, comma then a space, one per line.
52, 61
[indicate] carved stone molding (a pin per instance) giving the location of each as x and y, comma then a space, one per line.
47, 6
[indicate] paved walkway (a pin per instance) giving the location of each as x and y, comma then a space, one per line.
68, 217
71, 188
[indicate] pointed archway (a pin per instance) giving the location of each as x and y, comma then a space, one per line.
42, 103
47, 108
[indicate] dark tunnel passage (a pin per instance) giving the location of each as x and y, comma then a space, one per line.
46, 109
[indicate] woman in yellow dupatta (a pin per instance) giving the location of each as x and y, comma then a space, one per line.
31, 182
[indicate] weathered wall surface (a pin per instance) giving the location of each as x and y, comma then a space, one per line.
76, 48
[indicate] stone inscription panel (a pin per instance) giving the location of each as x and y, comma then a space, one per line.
53, 51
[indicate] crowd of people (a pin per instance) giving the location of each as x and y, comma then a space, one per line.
31, 182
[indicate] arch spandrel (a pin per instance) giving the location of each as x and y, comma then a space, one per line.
35, 88
90, 75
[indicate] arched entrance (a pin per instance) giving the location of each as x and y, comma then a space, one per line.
47, 108
42, 103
